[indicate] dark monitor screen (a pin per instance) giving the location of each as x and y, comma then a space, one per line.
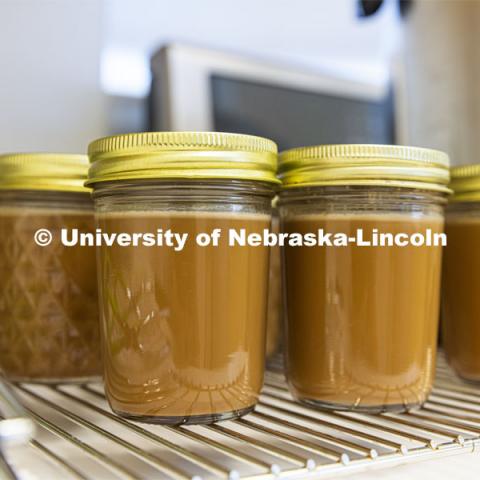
295, 118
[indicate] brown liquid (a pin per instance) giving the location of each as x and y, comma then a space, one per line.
274, 310
362, 321
461, 296
48, 298
184, 332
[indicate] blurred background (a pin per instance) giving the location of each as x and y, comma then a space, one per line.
303, 72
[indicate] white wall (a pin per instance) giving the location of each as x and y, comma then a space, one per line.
50, 53
442, 62
316, 35
50, 95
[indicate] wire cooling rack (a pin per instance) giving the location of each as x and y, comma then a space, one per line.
79, 438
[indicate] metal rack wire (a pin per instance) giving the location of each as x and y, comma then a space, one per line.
79, 438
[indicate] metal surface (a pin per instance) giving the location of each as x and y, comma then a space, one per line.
79, 438
16, 427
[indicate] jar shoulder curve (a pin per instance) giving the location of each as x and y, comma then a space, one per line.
30, 201
185, 195
361, 201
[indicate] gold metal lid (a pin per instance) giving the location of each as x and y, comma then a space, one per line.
465, 183
182, 155
62, 172
380, 165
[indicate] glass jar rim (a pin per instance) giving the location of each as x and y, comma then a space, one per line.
465, 183
359, 164
182, 155
63, 172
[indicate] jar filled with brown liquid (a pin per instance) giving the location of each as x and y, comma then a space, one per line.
49, 326
461, 277
183, 326
362, 315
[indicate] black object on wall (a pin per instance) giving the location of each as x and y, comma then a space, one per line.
367, 8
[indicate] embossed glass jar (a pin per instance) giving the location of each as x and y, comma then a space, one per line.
48, 298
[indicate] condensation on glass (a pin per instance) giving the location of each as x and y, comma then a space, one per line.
49, 328
183, 331
362, 321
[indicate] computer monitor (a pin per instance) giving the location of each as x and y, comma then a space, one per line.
201, 89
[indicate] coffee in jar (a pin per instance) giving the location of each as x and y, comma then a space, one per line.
183, 331
49, 326
362, 320
461, 281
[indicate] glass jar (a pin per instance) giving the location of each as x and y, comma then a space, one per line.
461, 279
183, 329
274, 310
49, 329
362, 320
